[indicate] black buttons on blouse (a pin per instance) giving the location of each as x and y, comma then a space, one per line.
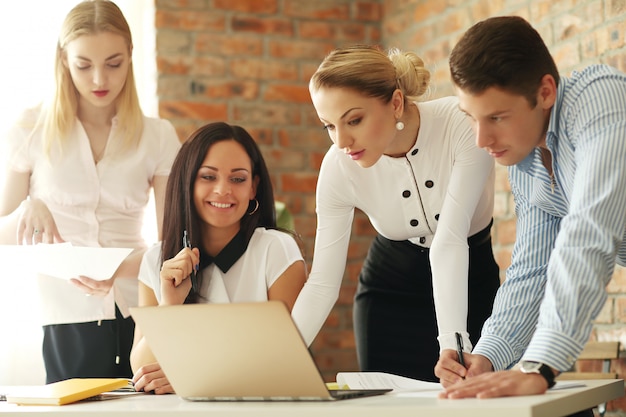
414, 152
406, 194
437, 217
429, 184
414, 222
422, 240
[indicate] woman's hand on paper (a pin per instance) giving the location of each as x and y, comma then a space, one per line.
92, 286
450, 371
497, 384
175, 274
151, 378
36, 224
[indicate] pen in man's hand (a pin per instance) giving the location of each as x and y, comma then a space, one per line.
193, 277
459, 348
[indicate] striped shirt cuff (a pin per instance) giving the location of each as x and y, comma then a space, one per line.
554, 349
497, 350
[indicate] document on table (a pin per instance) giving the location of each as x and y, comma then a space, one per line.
399, 384
64, 260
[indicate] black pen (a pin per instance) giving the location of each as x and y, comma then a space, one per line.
193, 277
459, 348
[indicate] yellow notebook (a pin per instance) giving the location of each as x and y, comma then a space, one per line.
65, 392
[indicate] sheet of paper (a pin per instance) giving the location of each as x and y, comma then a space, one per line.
376, 380
63, 260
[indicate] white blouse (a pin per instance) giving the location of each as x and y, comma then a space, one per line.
437, 195
270, 252
97, 205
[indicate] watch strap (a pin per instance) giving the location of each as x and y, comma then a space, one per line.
547, 373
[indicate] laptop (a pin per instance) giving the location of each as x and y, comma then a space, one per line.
235, 352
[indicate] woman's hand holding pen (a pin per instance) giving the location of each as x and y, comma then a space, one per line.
450, 371
36, 224
175, 276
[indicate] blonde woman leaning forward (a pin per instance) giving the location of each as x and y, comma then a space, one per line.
80, 169
414, 169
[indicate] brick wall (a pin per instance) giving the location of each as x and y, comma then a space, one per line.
249, 61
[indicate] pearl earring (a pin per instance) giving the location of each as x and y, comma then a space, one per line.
399, 125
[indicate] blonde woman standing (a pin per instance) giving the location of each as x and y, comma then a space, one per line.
81, 168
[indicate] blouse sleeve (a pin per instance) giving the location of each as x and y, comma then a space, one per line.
472, 172
334, 223
169, 146
149, 269
17, 142
282, 252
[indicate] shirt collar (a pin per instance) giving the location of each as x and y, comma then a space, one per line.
227, 256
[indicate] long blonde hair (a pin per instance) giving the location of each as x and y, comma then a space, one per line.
88, 18
371, 72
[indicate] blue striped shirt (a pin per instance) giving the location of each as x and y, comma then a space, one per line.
569, 233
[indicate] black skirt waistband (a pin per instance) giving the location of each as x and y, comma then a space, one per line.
481, 237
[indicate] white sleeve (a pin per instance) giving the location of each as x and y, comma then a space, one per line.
149, 269
334, 224
472, 172
282, 252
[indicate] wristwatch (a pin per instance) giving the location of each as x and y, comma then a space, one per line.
531, 367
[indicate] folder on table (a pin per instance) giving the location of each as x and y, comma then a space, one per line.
65, 392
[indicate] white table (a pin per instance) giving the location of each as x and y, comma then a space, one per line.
553, 404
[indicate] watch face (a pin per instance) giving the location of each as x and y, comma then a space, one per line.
530, 367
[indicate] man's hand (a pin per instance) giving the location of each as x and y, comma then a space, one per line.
450, 371
497, 384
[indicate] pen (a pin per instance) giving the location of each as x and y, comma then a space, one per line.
459, 348
193, 277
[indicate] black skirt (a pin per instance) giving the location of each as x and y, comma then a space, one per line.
395, 325
89, 350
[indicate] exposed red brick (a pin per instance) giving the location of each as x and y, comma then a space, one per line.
282, 27
190, 20
192, 110
228, 45
300, 182
319, 9
368, 11
248, 6
288, 93
299, 49
262, 69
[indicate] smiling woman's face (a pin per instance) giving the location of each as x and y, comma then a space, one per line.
224, 186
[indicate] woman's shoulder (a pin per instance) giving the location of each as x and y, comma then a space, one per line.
28, 117
153, 253
261, 234
162, 131
263, 237
441, 106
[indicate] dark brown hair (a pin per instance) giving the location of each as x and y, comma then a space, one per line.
505, 52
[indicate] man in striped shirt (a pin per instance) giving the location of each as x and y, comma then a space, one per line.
564, 142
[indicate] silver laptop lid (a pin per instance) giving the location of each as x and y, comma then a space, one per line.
239, 351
